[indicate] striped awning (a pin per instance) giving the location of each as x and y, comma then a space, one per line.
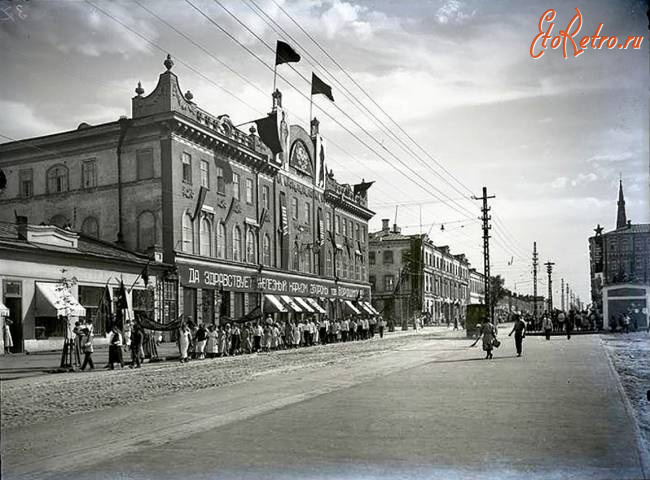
372, 309
364, 307
316, 305
292, 303
303, 304
352, 307
275, 304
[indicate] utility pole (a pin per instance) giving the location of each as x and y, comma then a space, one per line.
568, 290
486, 251
562, 295
535, 281
549, 270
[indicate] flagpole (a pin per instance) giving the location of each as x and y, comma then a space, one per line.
275, 75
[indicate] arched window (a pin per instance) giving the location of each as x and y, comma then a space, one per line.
57, 179
206, 238
251, 257
90, 227
146, 230
236, 244
328, 263
59, 220
266, 250
221, 240
188, 234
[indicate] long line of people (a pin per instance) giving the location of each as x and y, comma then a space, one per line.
198, 341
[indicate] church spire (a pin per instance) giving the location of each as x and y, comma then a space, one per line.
621, 218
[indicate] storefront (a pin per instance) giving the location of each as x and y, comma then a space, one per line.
629, 299
224, 292
52, 277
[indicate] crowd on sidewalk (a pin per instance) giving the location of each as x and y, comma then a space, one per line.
196, 341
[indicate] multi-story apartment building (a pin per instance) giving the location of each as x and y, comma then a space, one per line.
476, 287
409, 276
619, 262
239, 222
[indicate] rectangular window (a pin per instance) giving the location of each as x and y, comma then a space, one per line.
356, 231
329, 222
249, 191
345, 227
221, 183
187, 168
235, 186
90, 298
88, 174
205, 174
144, 161
371, 258
265, 197
389, 282
26, 183
307, 213
388, 256
373, 282
337, 224
294, 208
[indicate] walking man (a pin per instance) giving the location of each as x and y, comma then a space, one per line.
519, 329
547, 325
87, 346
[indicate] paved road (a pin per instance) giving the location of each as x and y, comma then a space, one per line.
431, 409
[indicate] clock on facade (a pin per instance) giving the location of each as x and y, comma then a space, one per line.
300, 158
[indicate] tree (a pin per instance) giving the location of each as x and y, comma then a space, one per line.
497, 292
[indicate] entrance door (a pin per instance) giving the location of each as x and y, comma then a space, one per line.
14, 302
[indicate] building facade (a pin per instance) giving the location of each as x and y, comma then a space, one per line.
476, 287
38, 261
238, 222
411, 276
620, 257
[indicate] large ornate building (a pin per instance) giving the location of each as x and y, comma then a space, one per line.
412, 276
619, 262
239, 222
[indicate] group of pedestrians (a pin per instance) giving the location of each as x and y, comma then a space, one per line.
196, 341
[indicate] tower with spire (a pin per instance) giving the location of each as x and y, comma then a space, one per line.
621, 218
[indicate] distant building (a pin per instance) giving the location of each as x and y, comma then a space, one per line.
409, 276
476, 287
619, 262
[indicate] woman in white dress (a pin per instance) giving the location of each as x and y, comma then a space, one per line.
211, 345
184, 342
6, 331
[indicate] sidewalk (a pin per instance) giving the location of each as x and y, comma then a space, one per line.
22, 365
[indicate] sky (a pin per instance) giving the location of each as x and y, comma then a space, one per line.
549, 137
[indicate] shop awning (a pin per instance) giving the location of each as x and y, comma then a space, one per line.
4, 311
316, 305
373, 310
292, 303
274, 303
364, 307
303, 304
51, 303
352, 307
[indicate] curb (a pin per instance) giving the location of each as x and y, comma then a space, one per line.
644, 455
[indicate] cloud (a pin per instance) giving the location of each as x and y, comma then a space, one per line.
560, 182
583, 179
453, 12
24, 121
611, 157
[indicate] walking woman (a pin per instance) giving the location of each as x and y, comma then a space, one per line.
6, 332
489, 336
184, 342
212, 341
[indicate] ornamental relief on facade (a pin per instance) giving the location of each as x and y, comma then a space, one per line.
187, 191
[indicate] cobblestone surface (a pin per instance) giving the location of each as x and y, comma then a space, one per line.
630, 354
37, 399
